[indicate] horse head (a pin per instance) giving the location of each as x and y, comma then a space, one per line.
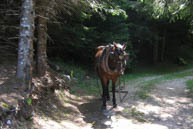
118, 58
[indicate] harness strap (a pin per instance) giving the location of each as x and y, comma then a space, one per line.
105, 58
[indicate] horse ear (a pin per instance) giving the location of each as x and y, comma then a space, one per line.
124, 46
115, 44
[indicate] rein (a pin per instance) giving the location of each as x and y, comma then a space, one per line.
120, 89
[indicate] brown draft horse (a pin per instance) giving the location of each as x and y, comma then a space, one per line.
110, 62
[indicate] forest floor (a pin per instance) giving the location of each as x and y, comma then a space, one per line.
165, 105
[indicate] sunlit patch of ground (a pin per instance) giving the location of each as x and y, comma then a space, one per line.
64, 124
165, 109
64, 113
168, 107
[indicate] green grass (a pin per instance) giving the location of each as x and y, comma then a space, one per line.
146, 87
162, 73
85, 80
163, 69
189, 84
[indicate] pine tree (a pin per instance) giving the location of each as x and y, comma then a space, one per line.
25, 50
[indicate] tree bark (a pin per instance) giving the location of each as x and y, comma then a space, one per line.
41, 46
43, 13
25, 48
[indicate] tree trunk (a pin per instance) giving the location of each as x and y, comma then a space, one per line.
41, 46
43, 12
163, 45
25, 48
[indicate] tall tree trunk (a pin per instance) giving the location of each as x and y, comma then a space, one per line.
41, 46
163, 45
25, 48
43, 12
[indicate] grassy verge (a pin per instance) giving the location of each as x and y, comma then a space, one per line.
85, 80
189, 84
149, 85
158, 76
170, 70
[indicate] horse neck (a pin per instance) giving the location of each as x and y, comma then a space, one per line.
112, 63
106, 63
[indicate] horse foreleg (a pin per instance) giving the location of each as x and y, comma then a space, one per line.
108, 97
104, 97
113, 90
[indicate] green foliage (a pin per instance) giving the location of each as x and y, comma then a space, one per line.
72, 74
139, 24
82, 32
29, 101
77, 27
4, 105
160, 9
109, 7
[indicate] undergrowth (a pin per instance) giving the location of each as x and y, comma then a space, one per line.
83, 81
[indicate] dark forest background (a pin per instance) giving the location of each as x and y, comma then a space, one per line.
154, 31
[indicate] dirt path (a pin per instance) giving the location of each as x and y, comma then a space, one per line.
169, 107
